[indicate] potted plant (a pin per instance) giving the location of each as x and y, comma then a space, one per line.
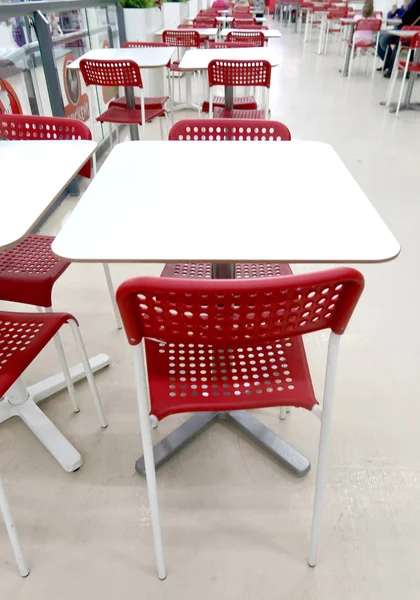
142, 19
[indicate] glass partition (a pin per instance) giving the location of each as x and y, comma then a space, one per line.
24, 78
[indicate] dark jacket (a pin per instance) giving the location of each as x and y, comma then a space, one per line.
412, 14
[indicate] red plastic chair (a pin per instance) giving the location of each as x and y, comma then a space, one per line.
407, 67
22, 337
29, 270
205, 22
243, 23
120, 73
180, 38
157, 102
242, 73
185, 26
256, 322
250, 37
334, 24
227, 130
238, 44
373, 25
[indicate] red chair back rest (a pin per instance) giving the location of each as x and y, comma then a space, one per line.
204, 23
242, 10
243, 23
110, 73
232, 130
368, 25
34, 127
238, 44
239, 72
250, 37
337, 13
144, 45
181, 38
415, 41
236, 312
185, 26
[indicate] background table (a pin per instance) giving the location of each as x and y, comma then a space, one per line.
146, 58
306, 221
33, 174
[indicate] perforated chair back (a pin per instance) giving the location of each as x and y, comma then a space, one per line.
368, 25
204, 23
243, 23
185, 26
181, 38
235, 312
238, 44
239, 73
144, 45
235, 130
110, 73
34, 127
256, 38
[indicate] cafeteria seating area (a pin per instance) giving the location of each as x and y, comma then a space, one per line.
234, 522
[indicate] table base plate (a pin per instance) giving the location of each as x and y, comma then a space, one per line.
280, 450
47, 433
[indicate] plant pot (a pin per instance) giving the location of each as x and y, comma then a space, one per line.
192, 8
174, 13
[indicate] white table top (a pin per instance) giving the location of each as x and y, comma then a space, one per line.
226, 19
199, 59
406, 33
146, 58
33, 174
207, 31
131, 213
268, 33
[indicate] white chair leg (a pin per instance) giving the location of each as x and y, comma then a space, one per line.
321, 473
11, 530
112, 295
351, 60
402, 87
161, 128
110, 136
149, 462
65, 368
282, 413
89, 375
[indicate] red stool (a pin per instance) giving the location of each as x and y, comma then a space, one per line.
171, 325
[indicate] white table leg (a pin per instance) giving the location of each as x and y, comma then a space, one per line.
322, 33
188, 104
21, 402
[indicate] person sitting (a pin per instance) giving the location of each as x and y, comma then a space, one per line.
222, 4
411, 16
397, 13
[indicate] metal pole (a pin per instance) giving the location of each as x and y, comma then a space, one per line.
46, 49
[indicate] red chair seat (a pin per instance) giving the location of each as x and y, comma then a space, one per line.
29, 270
198, 270
240, 103
175, 67
116, 114
362, 44
224, 113
149, 103
22, 337
411, 67
201, 377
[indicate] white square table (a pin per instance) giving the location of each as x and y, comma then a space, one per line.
198, 60
306, 220
146, 58
42, 169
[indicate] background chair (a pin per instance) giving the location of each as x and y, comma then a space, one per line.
406, 66
29, 270
373, 25
120, 73
180, 38
227, 319
240, 73
156, 102
249, 37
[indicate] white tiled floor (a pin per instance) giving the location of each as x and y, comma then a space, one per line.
235, 525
